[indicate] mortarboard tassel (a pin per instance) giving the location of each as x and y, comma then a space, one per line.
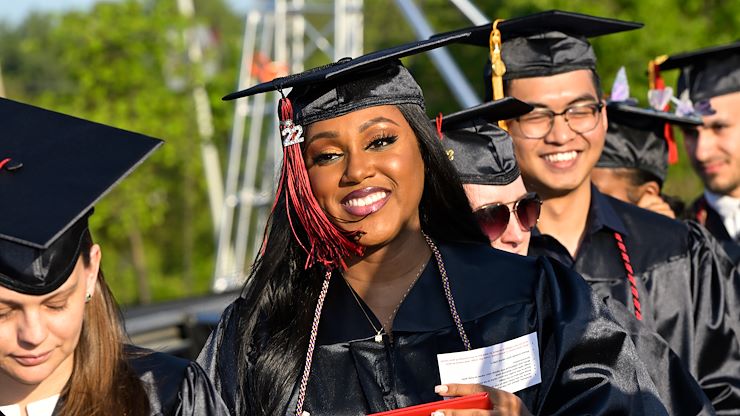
326, 243
656, 82
498, 68
438, 121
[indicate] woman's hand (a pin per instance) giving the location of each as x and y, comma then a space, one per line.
656, 204
504, 404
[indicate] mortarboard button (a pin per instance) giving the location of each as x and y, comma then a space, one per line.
10, 165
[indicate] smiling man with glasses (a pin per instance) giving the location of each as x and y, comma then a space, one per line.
672, 277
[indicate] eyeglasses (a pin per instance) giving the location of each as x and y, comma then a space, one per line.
580, 118
494, 218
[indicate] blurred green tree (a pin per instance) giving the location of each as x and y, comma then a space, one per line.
111, 65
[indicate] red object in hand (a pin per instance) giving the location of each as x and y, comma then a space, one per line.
473, 401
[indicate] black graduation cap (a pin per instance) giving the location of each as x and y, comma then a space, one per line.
707, 72
635, 138
545, 43
56, 168
326, 92
482, 152
347, 85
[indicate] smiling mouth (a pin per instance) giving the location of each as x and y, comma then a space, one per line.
711, 167
365, 201
561, 157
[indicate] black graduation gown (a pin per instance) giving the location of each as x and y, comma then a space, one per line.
588, 363
705, 215
688, 287
175, 386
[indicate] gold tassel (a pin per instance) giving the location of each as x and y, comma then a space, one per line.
498, 68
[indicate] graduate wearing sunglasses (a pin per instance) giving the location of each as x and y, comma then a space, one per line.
483, 155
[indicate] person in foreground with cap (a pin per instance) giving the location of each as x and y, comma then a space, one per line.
668, 274
62, 346
634, 163
711, 79
483, 156
488, 156
374, 277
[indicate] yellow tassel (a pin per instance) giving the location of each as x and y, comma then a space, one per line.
498, 68
652, 70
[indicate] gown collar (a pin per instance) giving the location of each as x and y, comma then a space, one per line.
43, 407
476, 273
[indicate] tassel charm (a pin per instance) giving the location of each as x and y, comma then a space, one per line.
326, 243
291, 133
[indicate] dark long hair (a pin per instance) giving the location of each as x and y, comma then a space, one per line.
281, 296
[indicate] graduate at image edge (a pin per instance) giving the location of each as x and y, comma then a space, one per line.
672, 276
63, 348
366, 184
709, 85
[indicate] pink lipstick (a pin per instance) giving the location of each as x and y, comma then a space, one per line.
365, 201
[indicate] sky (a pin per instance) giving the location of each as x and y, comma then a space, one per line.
14, 11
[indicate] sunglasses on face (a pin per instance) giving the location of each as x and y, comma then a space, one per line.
494, 218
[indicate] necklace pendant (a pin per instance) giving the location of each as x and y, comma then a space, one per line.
379, 338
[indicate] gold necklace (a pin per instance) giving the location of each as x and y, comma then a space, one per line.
379, 332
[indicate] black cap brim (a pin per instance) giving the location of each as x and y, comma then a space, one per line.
571, 23
627, 111
347, 66
686, 59
492, 111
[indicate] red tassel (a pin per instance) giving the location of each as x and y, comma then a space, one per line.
439, 126
671, 141
667, 129
326, 244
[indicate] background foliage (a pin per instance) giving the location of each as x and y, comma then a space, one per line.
112, 65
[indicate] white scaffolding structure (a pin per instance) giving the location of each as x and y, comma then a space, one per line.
279, 36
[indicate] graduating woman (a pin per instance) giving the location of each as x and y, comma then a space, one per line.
374, 277
62, 349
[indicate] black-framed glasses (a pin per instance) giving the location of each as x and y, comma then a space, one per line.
581, 118
494, 218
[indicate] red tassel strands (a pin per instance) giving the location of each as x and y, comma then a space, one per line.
658, 83
630, 275
326, 243
438, 121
